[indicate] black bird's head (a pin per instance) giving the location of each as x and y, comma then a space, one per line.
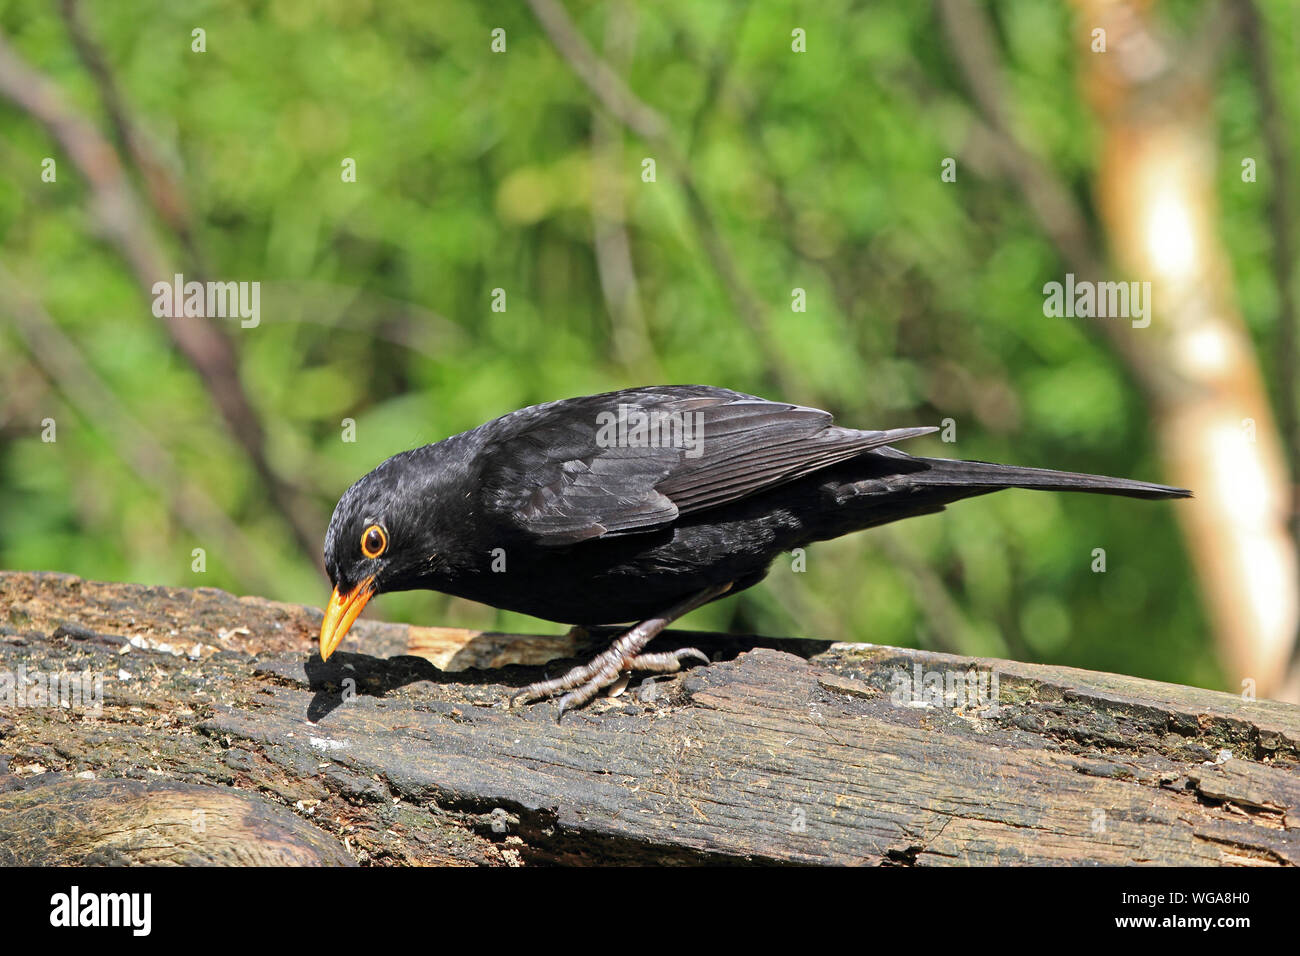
379, 539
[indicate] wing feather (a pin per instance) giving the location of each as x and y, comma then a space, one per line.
552, 476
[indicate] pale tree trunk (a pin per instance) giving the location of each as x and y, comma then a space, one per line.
1157, 203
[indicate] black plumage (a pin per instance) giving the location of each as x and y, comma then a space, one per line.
576, 511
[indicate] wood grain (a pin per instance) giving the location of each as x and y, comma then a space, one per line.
781, 751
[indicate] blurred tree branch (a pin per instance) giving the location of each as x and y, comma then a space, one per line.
67, 371
166, 194
362, 311
613, 248
126, 226
609, 89
971, 38
716, 73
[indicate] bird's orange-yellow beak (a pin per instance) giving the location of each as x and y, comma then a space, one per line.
342, 611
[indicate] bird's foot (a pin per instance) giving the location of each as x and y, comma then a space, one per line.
624, 655
586, 681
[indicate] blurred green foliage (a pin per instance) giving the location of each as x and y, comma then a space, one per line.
474, 172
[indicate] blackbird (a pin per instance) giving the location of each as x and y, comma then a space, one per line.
636, 506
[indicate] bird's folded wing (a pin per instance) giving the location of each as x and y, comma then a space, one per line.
634, 460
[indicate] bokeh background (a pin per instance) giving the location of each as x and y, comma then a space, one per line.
522, 170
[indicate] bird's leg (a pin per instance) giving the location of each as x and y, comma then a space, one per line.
584, 682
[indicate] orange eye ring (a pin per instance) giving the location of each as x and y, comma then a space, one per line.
374, 541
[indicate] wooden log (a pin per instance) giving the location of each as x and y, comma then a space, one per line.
61, 822
792, 751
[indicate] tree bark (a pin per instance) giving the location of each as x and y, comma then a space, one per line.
222, 738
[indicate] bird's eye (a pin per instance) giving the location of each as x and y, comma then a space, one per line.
374, 541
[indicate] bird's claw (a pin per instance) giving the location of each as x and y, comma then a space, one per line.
584, 682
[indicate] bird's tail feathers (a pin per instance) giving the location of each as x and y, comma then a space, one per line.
979, 476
